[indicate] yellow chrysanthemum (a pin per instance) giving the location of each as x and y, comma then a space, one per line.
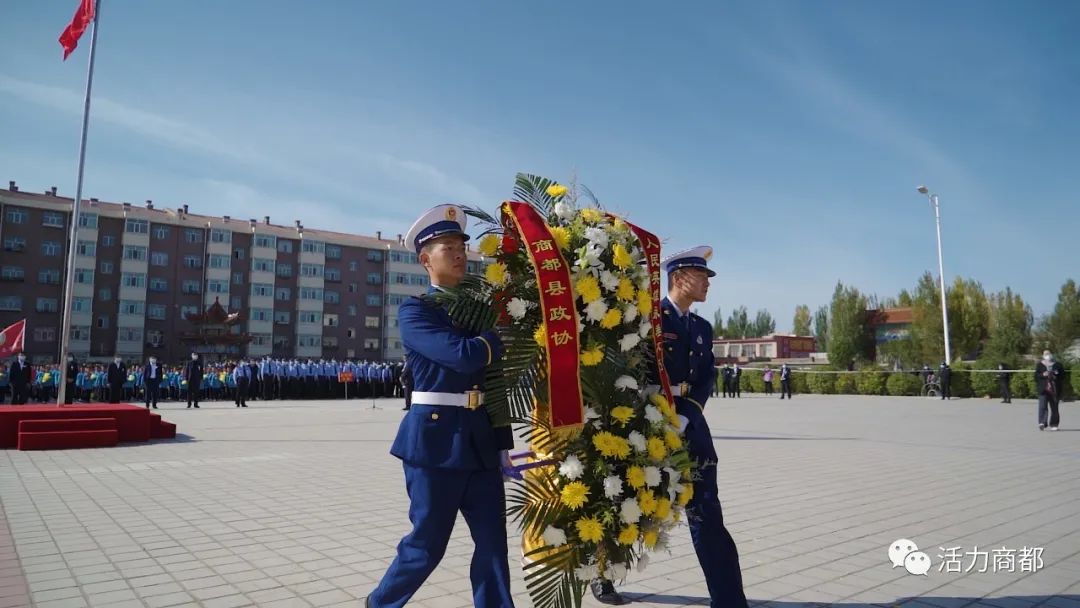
686, 495
644, 302
625, 291
628, 534
591, 215
671, 438
618, 223
488, 245
650, 538
556, 190
611, 319
657, 449
663, 509
561, 236
646, 501
611, 446
660, 402
621, 257
622, 414
575, 494
635, 476
496, 273
676, 516
590, 529
592, 357
540, 335
588, 288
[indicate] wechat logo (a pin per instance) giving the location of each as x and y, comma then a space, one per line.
904, 552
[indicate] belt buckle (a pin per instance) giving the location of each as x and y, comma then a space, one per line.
473, 401
684, 389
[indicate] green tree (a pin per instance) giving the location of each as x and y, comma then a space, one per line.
718, 324
850, 337
926, 325
969, 317
1010, 327
763, 324
801, 323
738, 324
902, 353
821, 328
1061, 328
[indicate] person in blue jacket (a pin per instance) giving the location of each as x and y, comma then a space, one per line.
452, 455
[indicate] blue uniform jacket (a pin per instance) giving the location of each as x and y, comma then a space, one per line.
446, 359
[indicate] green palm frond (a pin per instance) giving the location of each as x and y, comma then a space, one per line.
492, 224
589, 194
532, 189
537, 500
539, 436
551, 580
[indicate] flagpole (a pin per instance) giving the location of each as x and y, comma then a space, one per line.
73, 245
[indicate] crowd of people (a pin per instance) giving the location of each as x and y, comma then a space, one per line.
238, 381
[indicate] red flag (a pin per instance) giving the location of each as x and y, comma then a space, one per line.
12, 339
83, 16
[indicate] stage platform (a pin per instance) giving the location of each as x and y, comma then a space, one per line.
79, 425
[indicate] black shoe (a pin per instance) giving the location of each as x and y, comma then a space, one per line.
155, 407
605, 592
196, 405
243, 405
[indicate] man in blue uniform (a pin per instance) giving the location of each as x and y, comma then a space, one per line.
688, 359
451, 454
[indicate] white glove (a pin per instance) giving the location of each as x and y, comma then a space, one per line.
683, 421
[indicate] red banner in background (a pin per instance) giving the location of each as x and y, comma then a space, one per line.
12, 339
559, 315
650, 245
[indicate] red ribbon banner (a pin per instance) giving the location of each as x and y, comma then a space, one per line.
651, 247
560, 318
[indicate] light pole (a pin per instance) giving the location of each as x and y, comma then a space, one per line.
941, 268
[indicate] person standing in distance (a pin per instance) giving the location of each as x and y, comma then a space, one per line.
1049, 376
451, 454
193, 374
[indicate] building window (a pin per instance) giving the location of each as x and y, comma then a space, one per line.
155, 311
79, 333
309, 246
159, 285
161, 232
192, 261
350, 333
106, 267
84, 276
217, 286
374, 299
282, 317
133, 279
371, 344
238, 278
352, 310
404, 257
103, 322
374, 278
352, 287
262, 265
333, 275
50, 248
108, 240
88, 220
284, 270
87, 248
47, 305
159, 258
331, 297
45, 334
262, 290
129, 334
15, 243
260, 339
371, 322
311, 270
12, 273
191, 287
81, 304
284, 246
374, 255
330, 320
187, 311
11, 303
49, 277
104, 294
132, 307
135, 252
262, 314
266, 241
193, 236
283, 294
219, 261
353, 266
220, 236
132, 226
329, 342
238, 254
308, 316
155, 337
395, 299
236, 303
308, 341
311, 293
17, 216
333, 252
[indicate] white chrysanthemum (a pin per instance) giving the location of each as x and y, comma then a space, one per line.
652, 414
637, 441
629, 341
673, 475
609, 281
554, 537
629, 313
571, 468
652, 477
587, 572
517, 308
591, 414
644, 328
643, 282
595, 310
613, 486
629, 511
580, 327
642, 562
589, 261
597, 237
616, 571
674, 489
627, 383
564, 210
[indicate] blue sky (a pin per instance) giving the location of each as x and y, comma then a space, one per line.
788, 135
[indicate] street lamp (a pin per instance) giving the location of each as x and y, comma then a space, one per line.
941, 268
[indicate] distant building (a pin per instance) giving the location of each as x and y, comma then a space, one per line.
890, 324
774, 346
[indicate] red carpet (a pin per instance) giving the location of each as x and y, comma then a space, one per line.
43, 427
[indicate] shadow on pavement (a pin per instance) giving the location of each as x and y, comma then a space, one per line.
920, 602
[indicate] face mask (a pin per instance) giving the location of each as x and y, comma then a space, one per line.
194, 357
21, 358
1047, 358
153, 361
117, 361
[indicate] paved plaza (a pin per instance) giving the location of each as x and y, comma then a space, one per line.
300, 504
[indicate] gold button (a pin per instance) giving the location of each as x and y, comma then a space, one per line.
476, 387
669, 349
435, 416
